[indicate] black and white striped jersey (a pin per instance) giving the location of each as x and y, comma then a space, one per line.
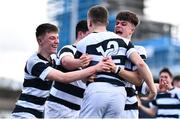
104, 44
69, 95
131, 102
167, 104
35, 87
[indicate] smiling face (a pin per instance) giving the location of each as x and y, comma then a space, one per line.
124, 28
48, 43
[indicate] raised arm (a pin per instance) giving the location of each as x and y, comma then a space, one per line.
145, 73
131, 76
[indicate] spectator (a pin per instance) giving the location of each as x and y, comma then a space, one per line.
167, 102
176, 81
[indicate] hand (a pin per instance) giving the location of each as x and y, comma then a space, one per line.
84, 60
163, 85
111, 64
91, 78
103, 66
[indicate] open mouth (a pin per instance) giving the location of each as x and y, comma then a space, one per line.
54, 46
119, 32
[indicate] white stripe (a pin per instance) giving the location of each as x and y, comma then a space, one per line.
122, 51
45, 73
30, 105
128, 84
130, 51
35, 92
131, 100
168, 111
144, 89
28, 76
169, 100
96, 58
65, 96
79, 84
65, 54
34, 59
141, 50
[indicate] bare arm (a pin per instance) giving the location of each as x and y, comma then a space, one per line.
77, 75
70, 63
130, 76
145, 73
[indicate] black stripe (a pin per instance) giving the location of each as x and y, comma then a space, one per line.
70, 89
130, 45
32, 99
167, 95
164, 95
66, 49
128, 69
168, 116
111, 81
154, 102
64, 102
104, 43
78, 54
38, 68
122, 59
41, 57
25, 69
34, 112
139, 89
143, 57
38, 83
131, 106
130, 92
169, 106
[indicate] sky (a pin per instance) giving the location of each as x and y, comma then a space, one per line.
19, 19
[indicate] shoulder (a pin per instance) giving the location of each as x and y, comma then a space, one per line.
34, 58
176, 90
67, 46
114, 35
141, 50
67, 50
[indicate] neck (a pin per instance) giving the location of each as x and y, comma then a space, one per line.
99, 29
44, 54
170, 87
76, 41
129, 38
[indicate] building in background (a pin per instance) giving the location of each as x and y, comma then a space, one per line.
158, 38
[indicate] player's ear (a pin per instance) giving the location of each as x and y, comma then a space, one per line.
39, 40
90, 23
133, 29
